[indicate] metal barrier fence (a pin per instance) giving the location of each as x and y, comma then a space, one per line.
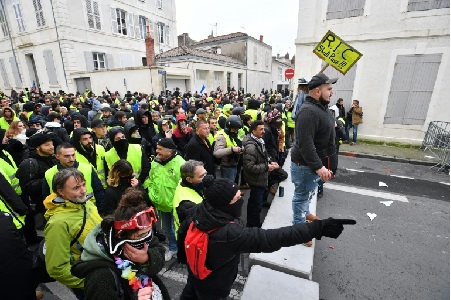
436, 141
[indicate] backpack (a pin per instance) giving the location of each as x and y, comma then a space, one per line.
196, 245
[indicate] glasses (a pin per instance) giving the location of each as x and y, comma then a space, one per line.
142, 220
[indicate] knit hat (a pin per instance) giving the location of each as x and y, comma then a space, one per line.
272, 115
219, 192
166, 143
38, 139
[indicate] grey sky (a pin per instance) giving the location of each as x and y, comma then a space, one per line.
277, 21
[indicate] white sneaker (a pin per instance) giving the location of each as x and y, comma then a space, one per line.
169, 254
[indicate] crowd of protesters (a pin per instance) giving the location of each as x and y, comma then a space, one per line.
102, 169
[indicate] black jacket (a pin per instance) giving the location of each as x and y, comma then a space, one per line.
147, 131
113, 196
271, 139
231, 239
315, 135
196, 149
31, 175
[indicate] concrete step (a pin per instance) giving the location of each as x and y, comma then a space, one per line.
264, 283
296, 260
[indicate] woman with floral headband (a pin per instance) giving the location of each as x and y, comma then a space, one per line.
121, 256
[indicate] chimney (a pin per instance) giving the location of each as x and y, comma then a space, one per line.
150, 49
261, 38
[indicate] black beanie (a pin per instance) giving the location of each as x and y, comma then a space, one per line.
166, 143
220, 192
38, 139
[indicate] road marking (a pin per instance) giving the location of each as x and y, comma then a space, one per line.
364, 192
354, 170
447, 183
400, 176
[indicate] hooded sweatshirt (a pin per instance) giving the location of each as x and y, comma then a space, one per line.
181, 139
5, 122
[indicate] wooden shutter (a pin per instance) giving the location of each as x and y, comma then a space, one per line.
89, 61
16, 75
4, 74
109, 61
113, 20
50, 65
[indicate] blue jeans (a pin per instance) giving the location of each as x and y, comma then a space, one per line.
354, 132
229, 173
167, 222
257, 196
304, 180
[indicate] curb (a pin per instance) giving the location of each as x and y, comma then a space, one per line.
388, 158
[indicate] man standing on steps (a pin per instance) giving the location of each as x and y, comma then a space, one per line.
313, 155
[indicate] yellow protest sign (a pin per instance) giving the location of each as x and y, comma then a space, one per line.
334, 51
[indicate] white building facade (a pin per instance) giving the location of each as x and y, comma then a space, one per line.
402, 80
46, 42
278, 80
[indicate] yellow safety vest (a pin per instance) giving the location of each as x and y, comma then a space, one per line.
10, 172
229, 142
183, 193
134, 155
253, 113
19, 221
84, 168
100, 170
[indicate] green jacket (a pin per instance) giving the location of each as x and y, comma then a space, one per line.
165, 177
64, 221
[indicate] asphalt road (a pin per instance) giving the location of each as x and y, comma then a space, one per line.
404, 252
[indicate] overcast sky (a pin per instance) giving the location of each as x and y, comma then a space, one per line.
278, 24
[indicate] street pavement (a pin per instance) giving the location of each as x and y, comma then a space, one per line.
402, 254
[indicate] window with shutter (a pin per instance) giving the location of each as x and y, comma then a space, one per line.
4, 74
121, 24
418, 5
15, 70
131, 25
411, 88
18, 13
50, 66
99, 61
160, 33
142, 27
166, 35
344, 86
159, 4
3, 23
92, 11
341, 9
39, 13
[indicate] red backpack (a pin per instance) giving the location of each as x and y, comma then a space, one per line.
196, 245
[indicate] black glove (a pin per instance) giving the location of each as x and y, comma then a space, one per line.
333, 227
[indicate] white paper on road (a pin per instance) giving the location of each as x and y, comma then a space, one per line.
364, 192
382, 184
354, 170
428, 156
386, 203
371, 215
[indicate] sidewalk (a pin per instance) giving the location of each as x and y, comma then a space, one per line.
389, 153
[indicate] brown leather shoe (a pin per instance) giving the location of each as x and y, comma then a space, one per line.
308, 244
311, 217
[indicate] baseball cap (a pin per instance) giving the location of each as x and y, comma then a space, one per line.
302, 81
320, 79
200, 111
97, 123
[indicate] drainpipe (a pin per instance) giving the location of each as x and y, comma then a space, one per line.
59, 43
